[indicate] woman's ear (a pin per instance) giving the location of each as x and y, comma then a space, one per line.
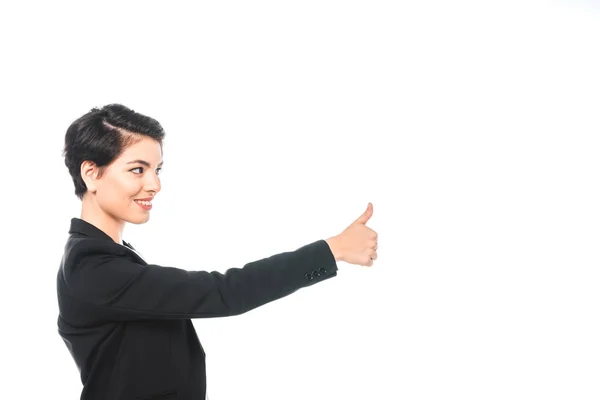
88, 174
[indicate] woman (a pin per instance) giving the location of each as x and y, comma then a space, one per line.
127, 323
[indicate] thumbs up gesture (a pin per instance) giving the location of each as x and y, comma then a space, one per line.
357, 244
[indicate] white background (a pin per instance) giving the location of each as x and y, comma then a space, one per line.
472, 127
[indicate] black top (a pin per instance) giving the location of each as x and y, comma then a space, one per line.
127, 323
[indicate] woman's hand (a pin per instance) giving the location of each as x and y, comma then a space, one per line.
357, 244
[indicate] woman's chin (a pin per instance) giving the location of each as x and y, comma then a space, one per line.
139, 219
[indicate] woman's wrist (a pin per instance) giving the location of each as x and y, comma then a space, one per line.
334, 246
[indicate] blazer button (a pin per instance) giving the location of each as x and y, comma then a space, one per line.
323, 271
315, 273
308, 276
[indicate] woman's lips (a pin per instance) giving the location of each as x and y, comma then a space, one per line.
144, 206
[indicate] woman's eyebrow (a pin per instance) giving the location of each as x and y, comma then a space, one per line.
146, 163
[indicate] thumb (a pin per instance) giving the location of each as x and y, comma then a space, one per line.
366, 215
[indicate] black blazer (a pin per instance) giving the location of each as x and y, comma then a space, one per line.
127, 323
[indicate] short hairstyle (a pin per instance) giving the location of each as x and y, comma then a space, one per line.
101, 135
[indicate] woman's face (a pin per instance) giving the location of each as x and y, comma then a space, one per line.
132, 176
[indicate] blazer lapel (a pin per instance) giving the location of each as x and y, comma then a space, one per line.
83, 227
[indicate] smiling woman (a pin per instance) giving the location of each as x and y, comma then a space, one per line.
114, 156
127, 323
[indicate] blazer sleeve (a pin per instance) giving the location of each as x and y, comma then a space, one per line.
119, 288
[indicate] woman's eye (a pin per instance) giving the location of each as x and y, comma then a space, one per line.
142, 168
